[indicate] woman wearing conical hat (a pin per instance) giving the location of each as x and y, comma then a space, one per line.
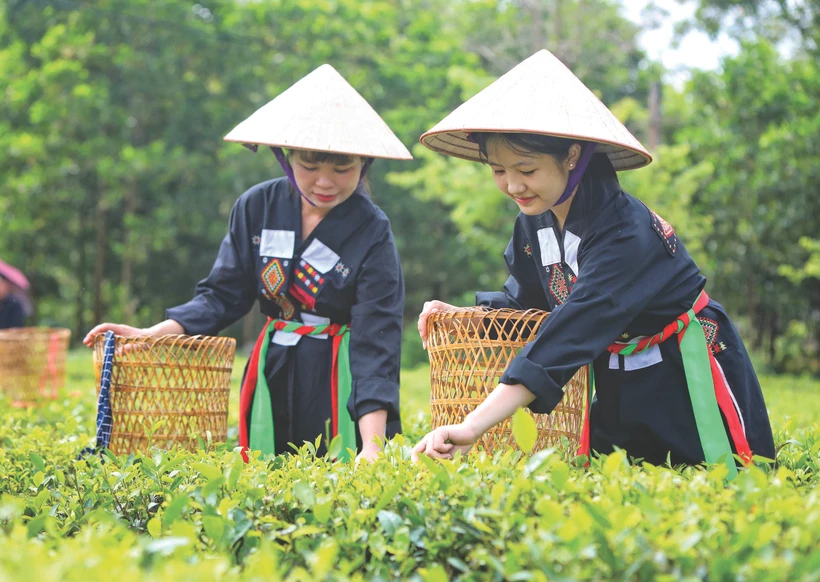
320, 258
671, 375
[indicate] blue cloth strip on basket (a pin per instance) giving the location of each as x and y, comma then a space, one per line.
104, 419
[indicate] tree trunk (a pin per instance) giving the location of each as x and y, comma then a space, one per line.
556, 28
126, 273
752, 310
99, 258
655, 119
82, 279
537, 23
773, 334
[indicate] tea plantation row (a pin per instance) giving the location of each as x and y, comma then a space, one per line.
208, 516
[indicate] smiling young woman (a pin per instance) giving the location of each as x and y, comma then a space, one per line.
320, 258
672, 378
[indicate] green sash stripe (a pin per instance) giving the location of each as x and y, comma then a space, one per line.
261, 434
347, 428
713, 439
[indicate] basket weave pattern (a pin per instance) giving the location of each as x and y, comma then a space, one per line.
168, 391
32, 363
469, 350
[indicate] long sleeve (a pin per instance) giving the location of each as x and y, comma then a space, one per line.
523, 288
375, 333
623, 267
228, 292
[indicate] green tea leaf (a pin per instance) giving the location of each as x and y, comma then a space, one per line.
524, 430
322, 511
154, 527
37, 524
560, 474
38, 462
304, 493
207, 471
214, 526
335, 448
390, 521
41, 498
174, 509
435, 573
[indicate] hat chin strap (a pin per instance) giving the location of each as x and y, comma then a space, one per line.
575, 175
288, 169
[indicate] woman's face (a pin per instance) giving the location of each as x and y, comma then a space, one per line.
534, 181
326, 184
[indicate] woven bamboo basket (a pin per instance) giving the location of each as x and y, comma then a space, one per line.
469, 350
167, 391
32, 363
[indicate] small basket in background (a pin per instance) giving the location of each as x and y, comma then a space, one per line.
32, 363
167, 391
469, 350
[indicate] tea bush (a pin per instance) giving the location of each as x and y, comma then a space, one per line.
173, 515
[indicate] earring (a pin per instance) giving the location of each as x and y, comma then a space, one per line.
571, 166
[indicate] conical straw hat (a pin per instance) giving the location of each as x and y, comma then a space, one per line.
321, 112
540, 95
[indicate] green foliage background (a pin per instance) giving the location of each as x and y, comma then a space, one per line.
115, 185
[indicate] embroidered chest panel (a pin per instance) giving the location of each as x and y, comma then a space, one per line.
285, 277
560, 284
273, 276
560, 261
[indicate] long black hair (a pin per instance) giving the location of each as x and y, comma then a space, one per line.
599, 168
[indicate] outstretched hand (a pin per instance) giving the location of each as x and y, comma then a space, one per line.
167, 327
370, 452
430, 307
121, 330
445, 441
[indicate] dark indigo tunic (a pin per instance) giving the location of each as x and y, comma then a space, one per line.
346, 271
12, 313
617, 271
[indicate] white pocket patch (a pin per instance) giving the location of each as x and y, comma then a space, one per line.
320, 256
548, 244
277, 243
645, 359
571, 244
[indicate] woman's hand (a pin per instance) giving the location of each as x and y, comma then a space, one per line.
121, 330
446, 441
369, 452
167, 327
430, 307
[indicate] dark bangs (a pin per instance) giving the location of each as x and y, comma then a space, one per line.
529, 144
524, 144
317, 157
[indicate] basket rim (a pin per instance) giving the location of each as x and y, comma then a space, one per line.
504, 313
166, 339
16, 333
